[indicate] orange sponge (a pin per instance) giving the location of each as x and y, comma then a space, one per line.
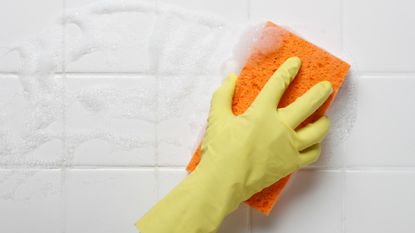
272, 48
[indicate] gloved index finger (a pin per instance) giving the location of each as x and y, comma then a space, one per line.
307, 104
273, 90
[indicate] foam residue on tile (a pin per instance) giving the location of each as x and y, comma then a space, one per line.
342, 114
23, 186
180, 42
188, 53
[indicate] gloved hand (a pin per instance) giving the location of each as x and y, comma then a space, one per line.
243, 154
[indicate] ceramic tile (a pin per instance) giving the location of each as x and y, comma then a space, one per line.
107, 200
382, 132
233, 10
317, 21
117, 112
379, 201
21, 20
184, 103
379, 41
168, 178
92, 45
31, 201
30, 123
82, 3
312, 202
342, 113
110, 120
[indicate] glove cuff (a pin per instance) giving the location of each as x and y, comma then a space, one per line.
198, 204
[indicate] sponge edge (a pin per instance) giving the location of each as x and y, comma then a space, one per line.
273, 46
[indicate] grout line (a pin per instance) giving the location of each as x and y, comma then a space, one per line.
8, 73
385, 74
156, 136
122, 73
248, 5
379, 168
250, 220
362, 168
64, 145
341, 13
64, 190
343, 196
367, 169
117, 169
107, 75
128, 167
66, 169
110, 73
58, 166
139, 75
343, 188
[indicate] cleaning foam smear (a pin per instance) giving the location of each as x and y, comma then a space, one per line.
184, 54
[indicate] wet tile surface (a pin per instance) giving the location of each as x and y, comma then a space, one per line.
93, 146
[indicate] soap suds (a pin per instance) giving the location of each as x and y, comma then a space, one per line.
270, 40
342, 114
190, 54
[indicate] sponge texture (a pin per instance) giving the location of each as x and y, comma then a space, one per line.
271, 49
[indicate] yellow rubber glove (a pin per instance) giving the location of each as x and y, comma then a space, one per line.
243, 154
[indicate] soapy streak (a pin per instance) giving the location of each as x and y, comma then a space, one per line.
43, 90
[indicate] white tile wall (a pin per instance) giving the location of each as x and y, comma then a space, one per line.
362, 185
120, 114
179, 128
382, 132
31, 200
15, 116
131, 56
377, 34
301, 17
22, 19
233, 10
107, 200
379, 201
313, 200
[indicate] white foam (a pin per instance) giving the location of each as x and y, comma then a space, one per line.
188, 54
